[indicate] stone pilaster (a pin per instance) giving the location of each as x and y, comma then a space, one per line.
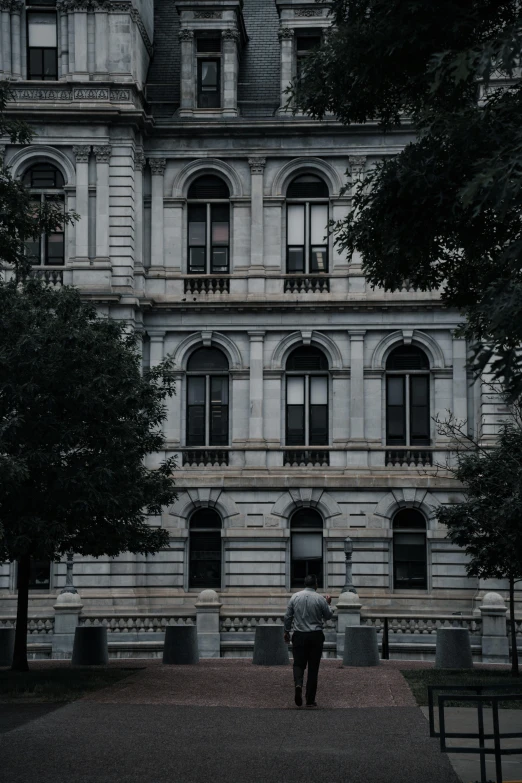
157, 167
101, 41
460, 381
157, 339
16, 41
287, 38
256, 381
257, 167
103, 156
81, 70
188, 84
356, 384
5, 39
230, 71
81, 154
64, 40
139, 163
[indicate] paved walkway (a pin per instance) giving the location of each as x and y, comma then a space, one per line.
230, 722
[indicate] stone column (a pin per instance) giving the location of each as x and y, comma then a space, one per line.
81, 70
348, 614
156, 347
460, 379
356, 384
230, 70
286, 36
103, 156
5, 41
82, 201
64, 39
157, 167
257, 167
188, 73
16, 60
139, 163
495, 643
101, 41
256, 385
207, 624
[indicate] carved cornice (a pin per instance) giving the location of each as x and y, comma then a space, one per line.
157, 166
230, 35
14, 6
257, 165
208, 14
139, 161
103, 154
186, 35
306, 12
81, 153
66, 94
286, 33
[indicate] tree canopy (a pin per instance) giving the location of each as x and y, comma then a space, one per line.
445, 212
78, 420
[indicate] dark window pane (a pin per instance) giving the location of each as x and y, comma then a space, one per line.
318, 259
197, 234
208, 84
409, 518
208, 45
205, 560
295, 429
196, 425
307, 358
395, 411
50, 64
205, 518
35, 63
197, 260
306, 517
218, 425
296, 260
307, 186
55, 249
419, 410
196, 391
219, 391
39, 575
208, 187
219, 260
220, 212
318, 435
409, 556
32, 250
407, 357
207, 359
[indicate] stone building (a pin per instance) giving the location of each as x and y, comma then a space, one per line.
305, 398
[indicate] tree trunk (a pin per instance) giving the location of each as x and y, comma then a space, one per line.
20, 648
514, 652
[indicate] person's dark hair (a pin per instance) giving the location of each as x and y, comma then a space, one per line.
310, 580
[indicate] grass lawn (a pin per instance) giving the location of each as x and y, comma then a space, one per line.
419, 679
56, 685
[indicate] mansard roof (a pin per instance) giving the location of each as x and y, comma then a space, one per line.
259, 72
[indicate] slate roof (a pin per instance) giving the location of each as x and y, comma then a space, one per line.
259, 70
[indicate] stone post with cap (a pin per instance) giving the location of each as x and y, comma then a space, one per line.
495, 644
207, 623
67, 610
348, 605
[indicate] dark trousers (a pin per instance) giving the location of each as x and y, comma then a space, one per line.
307, 647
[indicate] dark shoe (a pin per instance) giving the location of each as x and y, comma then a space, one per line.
298, 698
312, 705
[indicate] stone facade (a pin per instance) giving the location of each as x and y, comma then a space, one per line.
126, 133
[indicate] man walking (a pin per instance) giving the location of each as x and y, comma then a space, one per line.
307, 611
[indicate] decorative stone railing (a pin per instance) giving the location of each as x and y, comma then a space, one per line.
405, 624
137, 623
50, 276
248, 623
296, 458
407, 458
304, 284
198, 458
206, 285
35, 625
518, 628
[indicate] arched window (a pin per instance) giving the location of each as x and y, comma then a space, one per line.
207, 398
307, 397
307, 225
205, 549
46, 183
306, 553
407, 397
409, 550
208, 226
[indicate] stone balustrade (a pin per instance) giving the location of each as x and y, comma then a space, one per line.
137, 623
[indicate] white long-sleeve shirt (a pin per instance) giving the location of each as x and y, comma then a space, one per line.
307, 611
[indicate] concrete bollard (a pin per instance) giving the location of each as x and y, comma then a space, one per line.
270, 648
7, 639
90, 646
360, 646
453, 650
495, 643
181, 645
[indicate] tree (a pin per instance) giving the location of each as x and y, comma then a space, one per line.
77, 422
445, 212
20, 218
487, 524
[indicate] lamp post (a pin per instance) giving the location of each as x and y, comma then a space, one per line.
69, 584
348, 583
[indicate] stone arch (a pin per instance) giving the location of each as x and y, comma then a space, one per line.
193, 499
306, 166
295, 339
394, 339
318, 499
215, 339
39, 153
197, 168
420, 499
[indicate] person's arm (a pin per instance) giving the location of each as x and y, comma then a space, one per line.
289, 616
326, 608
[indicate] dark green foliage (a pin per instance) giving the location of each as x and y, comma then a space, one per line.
445, 211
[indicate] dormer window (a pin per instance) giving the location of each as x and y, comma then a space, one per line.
303, 46
208, 52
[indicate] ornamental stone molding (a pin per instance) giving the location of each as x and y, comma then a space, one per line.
14, 6
286, 33
192, 499
42, 153
295, 339
230, 35
397, 499
65, 94
208, 14
308, 12
157, 166
357, 165
257, 165
186, 35
139, 161
394, 339
103, 154
81, 153
215, 339
195, 168
317, 498
297, 166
